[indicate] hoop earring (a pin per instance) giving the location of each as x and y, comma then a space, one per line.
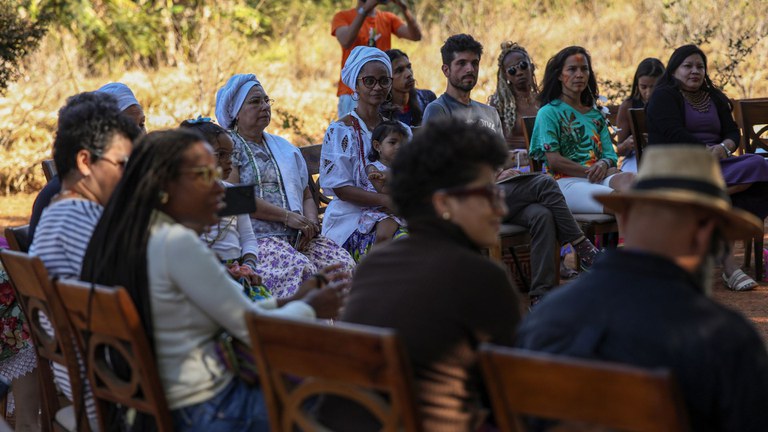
163, 197
355, 97
388, 98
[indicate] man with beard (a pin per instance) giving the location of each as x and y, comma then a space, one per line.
647, 304
533, 201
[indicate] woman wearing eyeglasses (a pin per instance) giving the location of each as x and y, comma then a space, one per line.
285, 222
346, 146
516, 92
148, 242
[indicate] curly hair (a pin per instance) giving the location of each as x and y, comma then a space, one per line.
459, 43
553, 88
443, 154
504, 97
88, 121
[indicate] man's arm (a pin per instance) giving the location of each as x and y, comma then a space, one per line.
346, 35
411, 29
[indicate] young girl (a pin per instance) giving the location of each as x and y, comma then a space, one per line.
232, 238
648, 72
385, 141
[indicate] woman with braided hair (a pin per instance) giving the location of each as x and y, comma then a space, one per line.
516, 92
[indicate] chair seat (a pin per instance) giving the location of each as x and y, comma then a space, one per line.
593, 217
66, 418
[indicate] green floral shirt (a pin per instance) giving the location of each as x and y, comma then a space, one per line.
582, 138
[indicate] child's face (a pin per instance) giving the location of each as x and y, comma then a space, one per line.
388, 147
223, 148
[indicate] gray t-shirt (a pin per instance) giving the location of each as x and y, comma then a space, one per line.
447, 106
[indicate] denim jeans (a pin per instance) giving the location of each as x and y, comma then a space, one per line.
238, 407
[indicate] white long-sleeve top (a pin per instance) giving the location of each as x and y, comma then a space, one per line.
192, 299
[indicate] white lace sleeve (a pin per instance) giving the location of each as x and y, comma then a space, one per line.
340, 158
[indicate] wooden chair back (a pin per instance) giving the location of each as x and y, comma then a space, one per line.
49, 169
36, 295
107, 325
528, 123
18, 238
311, 154
753, 119
522, 384
299, 360
639, 126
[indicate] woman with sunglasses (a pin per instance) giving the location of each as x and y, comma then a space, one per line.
435, 288
147, 241
516, 92
285, 221
346, 146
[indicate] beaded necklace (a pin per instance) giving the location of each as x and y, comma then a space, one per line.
698, 100
221, 231
257, 171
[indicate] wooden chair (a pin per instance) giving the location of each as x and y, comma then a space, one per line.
36, 295
106, 322
18, 238
299, 360
639, 126
311, 154
49, 169
522, 383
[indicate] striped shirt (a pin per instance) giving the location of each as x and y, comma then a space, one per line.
61, 240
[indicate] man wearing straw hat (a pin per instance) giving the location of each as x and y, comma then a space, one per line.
647, 304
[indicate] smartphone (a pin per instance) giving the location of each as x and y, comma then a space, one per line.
239, 199
297, 241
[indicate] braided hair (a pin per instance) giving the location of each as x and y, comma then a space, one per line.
504, 97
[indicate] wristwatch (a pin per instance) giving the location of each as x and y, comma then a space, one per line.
728, 153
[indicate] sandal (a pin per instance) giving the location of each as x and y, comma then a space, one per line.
739, 281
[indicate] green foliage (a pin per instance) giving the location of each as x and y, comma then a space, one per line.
22, 27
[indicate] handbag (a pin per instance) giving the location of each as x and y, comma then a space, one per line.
237, 358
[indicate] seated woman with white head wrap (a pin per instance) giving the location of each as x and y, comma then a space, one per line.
285, 209
345, 148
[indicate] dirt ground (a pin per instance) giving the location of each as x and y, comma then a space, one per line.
15, 210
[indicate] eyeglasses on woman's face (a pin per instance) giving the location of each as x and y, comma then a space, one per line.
118, 163
493, 193
523, 65
223, 155
207, 174
370, 81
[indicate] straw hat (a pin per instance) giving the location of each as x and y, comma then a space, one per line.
685, 174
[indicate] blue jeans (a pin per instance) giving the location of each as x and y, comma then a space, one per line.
238, 407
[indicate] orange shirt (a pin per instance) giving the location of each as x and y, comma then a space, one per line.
376, 31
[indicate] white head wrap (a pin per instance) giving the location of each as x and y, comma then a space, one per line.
122, 93
357, 59
230, 98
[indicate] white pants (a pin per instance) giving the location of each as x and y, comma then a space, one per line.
579, 192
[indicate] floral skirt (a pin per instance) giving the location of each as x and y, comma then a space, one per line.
358, 244
17, 354
282, 268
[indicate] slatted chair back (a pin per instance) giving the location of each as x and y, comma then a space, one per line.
522, 383
49, 169
106, 322
299, 360
528, 123
753, 119
36, 295
639, 126
18, 238
311, 154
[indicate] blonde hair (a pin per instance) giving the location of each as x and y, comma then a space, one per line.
504, 97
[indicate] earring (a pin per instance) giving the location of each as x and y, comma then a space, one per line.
446, 216
163, 197
355, 97
389, 97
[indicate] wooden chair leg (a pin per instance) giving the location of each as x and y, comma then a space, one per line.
758, 258
748, 252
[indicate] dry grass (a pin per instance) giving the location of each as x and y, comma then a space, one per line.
299, 66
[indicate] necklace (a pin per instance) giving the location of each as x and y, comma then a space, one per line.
221, 232
257, 171
357, 114
698, 100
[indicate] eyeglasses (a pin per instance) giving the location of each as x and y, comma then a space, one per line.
493, 193
370, 82
120, 163
523, 65
260, 101
222, 156
206, 173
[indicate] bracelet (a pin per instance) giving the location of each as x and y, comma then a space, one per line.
728, 153
286, 218
250, 262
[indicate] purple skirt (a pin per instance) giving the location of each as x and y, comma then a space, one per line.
749, 168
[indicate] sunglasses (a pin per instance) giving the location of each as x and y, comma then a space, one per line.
370, 82
206, 173
523, 65
493, 193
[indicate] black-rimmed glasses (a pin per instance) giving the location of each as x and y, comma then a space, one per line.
206, 173
370, 82
493, 193
523, 65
